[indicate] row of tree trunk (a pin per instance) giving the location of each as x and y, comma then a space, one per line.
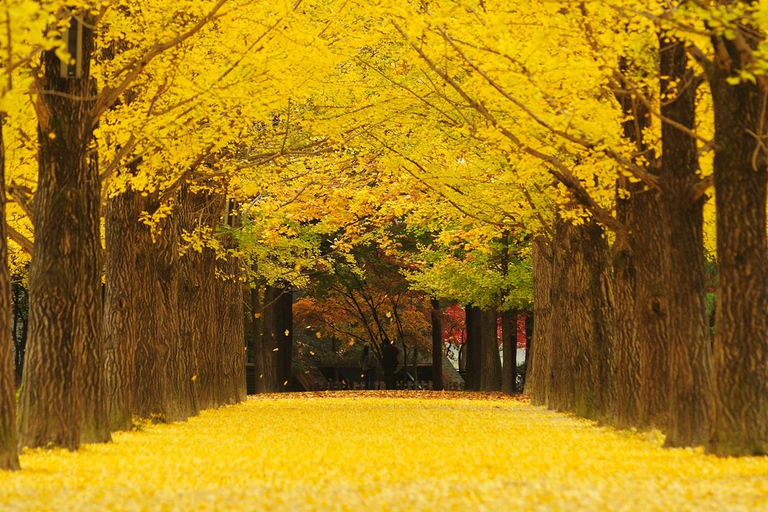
623, 335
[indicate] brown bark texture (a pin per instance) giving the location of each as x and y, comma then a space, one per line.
582, 371
688, 335
152, 354
489, 378
229, 294
639, 262
179, 395
740, 363
59, 390
121, 232
201, 210
651, 296
9, 455
538, 367
509, 349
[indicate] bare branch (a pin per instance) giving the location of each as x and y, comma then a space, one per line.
25, 243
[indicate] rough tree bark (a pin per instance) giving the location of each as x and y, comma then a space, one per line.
539, 361
230, 304
121, 278
59, 390
582, 359
688, 335
179, 395
152, 353
741, 343
9, 455
197, 292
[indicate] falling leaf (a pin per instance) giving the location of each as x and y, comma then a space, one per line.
287, 332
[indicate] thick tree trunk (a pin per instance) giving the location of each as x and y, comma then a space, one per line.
230, 295
489, 378
538, 367
190, 322
152, 354
95, 420
271, 338
583, 354
121, 280
198, 285
689, 338
628, 374
741, 342
9, 455
641, 314
509, 349
651, 296
63, 382
437, 346
179, 395
261, 355
640, 278
278, 334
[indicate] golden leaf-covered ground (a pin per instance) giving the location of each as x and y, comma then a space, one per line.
383, 451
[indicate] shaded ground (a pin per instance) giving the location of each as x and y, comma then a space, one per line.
377, 451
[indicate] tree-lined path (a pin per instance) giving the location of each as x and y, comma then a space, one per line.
383, 451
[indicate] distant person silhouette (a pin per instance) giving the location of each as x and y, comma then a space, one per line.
389, 362
368, 365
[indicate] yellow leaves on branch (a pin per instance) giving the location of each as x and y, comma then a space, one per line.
383, 451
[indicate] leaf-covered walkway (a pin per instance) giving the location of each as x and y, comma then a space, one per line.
368, 452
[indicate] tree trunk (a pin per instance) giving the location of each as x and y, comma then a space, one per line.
63, 382
509, 349
152, 354
640, 287
628, 374
198, 283
271, 338
472, 349
282, 317
232, 330
120, 309
9, 454
179, 395
539, 361
261, 355
741, 342
582, 377
651, 310
489, 371
689, 339
437, 346
640, 278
